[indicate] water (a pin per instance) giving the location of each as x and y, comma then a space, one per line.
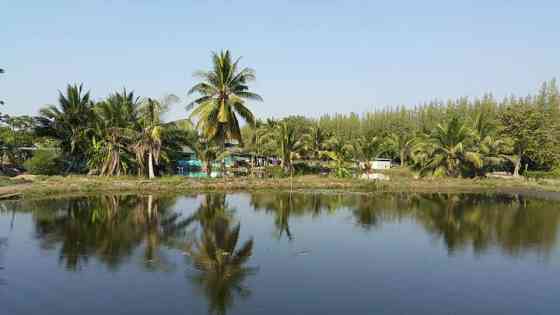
280, 253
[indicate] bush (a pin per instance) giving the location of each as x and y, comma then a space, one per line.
275, 171
44, 162
302, 168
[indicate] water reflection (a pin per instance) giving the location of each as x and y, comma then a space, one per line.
221, 264
285, 205
114, 229
213, 206
512, 223
3, 245
109, 228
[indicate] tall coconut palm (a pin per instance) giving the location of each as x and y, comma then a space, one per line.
223, 93
450, 149
148, 141
70, 122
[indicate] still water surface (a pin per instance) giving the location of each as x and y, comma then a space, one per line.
281, 253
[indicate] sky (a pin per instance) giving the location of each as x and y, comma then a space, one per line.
311, 56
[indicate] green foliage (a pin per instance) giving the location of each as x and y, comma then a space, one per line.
114, 136
275, 171
70, 122
44, 162
289, 136
463, 137
302, 168
223, 92
451, 150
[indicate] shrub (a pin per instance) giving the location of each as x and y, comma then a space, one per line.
44, 162
275, 171
302, 168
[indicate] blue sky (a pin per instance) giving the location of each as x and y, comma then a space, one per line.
311, 56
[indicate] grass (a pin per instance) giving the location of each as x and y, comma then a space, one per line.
400, 181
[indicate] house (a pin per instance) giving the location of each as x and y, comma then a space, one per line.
381, 164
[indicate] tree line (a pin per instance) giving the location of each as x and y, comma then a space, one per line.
464, 137
125, 134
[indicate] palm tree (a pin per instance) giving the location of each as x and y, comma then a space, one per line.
450, 149
291, 141
108, 155
368, 147
223, 92
148, 142
116, 126
120, 110
402, 144
341, 154
221, 265
260, 140
496, 152
319, 138
70, 122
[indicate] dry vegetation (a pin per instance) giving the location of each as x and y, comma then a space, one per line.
41, 186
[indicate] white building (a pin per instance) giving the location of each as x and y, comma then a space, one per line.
381, 164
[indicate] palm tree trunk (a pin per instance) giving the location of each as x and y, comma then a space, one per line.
151, 165
208, 168
517, 166
402, 158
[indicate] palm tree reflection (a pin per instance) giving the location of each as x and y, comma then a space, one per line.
3, 244
220, 266
110, 228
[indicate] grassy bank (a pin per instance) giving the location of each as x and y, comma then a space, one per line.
43, 186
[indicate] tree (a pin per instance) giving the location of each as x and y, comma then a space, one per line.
116, 127
368, 147
401, 143
532, 132
497, 151
148, 142
223, 93
207, 152
290, 139
319, 138
340, 153
19, 133
70, 122
449, 149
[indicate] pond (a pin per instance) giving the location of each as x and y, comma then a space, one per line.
281, 253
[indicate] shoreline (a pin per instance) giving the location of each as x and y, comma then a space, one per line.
34, 187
